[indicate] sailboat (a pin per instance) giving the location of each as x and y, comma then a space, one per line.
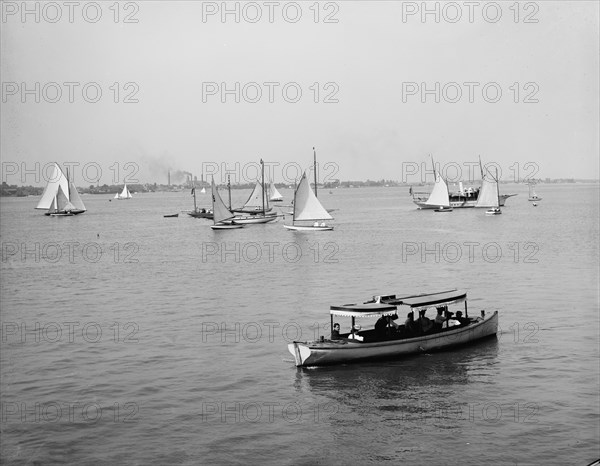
199, 213
532, 194
274, 195
59, 180
222, 216
125, 194
308, 208
489, 195
257, 205
61, 206
463, 198
439, 195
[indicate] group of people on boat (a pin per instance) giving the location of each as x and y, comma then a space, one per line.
386, 326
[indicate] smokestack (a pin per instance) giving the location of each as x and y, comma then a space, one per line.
169, 178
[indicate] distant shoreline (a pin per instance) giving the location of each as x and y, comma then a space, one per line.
24, 191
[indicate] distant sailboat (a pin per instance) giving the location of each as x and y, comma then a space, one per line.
199, 213
57, 181
439, 195
222, 216
257, 205
489, 195
274, 195
308, 208
532, 194
125, 194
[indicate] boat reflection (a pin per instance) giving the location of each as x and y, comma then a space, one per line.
410, 389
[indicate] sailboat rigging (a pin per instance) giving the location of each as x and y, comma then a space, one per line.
490, 194
222, 216
125, 194
257, 205
307, 208
71, 203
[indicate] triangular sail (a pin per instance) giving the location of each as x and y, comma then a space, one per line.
255, 201
220, 210
57, 179
52, 208
62, 202
75, 198
488, 196
125, 194
274, 195
439, 194
116, 196
306, 204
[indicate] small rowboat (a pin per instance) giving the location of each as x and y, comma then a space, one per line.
171, 216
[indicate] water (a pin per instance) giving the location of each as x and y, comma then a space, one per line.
170, 346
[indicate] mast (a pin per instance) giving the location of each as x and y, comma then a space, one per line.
315, 168
497, 188
68, 185
262, 182
194, 191
229, 188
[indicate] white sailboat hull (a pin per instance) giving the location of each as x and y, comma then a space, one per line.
421, 202
345, 350
255, 219
308, 228
226, 226
493, 212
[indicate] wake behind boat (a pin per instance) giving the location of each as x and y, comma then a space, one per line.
387, 340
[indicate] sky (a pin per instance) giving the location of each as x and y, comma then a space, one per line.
132, 90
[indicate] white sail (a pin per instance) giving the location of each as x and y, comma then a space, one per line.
52, 208
274, 195
439, 194
306, 204
125, 194
255, 201
488, 195
57, 179
116, 196
75, 198
220, 210
62, 202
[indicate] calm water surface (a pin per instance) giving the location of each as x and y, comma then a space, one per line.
160, 341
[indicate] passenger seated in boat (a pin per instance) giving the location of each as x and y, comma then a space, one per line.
354, 333
383, 326
410, 324
425, 324
439, 319
335, 333
451, 321
462, 320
